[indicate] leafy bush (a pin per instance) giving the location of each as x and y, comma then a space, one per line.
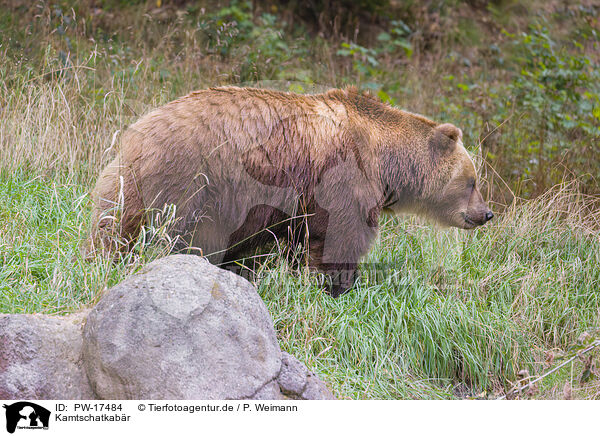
555, 93
234, 33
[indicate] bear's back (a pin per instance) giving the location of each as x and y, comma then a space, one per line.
213, 127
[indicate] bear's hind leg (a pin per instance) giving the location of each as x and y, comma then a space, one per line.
118, 211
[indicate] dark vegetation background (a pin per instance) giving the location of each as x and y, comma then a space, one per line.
520, 78
467, 314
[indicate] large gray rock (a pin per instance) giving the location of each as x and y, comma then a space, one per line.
181, 329
40, 357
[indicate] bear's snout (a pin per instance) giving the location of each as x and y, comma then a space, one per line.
474, 218
480, 219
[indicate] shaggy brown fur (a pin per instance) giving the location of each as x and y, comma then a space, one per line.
246, 166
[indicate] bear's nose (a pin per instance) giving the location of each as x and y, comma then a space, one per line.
489, 216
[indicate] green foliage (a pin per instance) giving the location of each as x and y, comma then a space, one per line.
366, 62
233, 32
398, 37
535, 99
227, 27
557, 90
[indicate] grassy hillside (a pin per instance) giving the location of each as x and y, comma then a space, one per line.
437, 313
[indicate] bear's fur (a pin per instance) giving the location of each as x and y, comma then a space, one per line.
245, 167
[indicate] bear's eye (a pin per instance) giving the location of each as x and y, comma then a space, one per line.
471, 183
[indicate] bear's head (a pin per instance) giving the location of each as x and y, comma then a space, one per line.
426, 170
453, 198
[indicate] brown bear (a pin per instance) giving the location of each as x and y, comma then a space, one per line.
244, 167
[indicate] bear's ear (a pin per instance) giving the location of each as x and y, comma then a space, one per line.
451, 131
446, 136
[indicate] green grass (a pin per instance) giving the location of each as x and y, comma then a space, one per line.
457, 309
43, 227
436, 314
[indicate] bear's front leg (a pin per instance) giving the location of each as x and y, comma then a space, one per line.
341, 276
342, 233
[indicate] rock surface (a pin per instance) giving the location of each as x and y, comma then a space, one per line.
40, 357
179, 329
298, 383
